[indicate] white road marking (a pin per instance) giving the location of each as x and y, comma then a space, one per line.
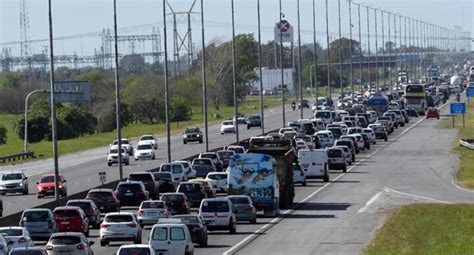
416, 196
461, 188
371, 200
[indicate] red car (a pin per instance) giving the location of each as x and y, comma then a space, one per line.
45, 186
432, 113
71, 219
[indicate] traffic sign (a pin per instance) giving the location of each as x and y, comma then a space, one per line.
102, 177
470, 92
284, 26
284, 30
458, 108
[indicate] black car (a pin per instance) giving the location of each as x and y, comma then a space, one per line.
148, 180
131, 193
304, 103
254, 121
165, 182
194, 191
89, 208
224, 156
197, 228
177, 203
104, 199
192, 134
203, 166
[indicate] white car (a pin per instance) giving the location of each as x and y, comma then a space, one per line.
3, 246
17, 236
347, 153
112, 156
171, 238
144, 151
218, 215
151, 211
189, 170
72, 243
126, 144
27, 250
149, 139
218, 180
176, 169
371, 134
121, 226
129, 249
314, 163
227, 126
359, 141
326, 138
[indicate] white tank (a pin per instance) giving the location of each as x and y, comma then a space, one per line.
456, 80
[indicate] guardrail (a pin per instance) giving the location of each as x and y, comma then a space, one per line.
18, 156
468, 143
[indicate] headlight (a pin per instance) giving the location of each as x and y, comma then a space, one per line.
185, 136
21, 184
198, 135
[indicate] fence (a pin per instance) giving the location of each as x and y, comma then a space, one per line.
18, 156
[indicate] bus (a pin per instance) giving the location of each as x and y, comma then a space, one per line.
415, 96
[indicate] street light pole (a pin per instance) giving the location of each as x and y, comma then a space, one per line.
328, 54
350, 49
360, 49
25, 144
117, 96
376, 53
300, 64
262, 117
368, 46
383, 48
53, 106
340, 50
167, 100
234, 82
204, 77
281, 66
315, 63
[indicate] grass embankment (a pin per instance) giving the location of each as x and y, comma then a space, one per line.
44, 148
465, 175
426, 229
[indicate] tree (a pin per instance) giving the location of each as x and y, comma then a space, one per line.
346, 49
10, 80
105, 114
3, 135
132, 64
180, 109
38, 128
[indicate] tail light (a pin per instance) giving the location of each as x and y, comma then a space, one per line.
132, 225
22, 240
104, 225
164, 213
141, 213
48, 247
248, 208
117, 193
81, 246
40, 188
140, 193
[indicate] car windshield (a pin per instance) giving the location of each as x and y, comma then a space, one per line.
64, 240
11, 232
144, 147
192, 130
134, 251
177, 169
99, 194
131, 187
177, 234
323, 115
83, 205
66, 213
201, 162
334, 153
165, 168
160, 234
118, 218
140, 177
225, 154
254, 117
239, 200
152, 204
8, 177
26, 252
211, 156
159, 176
46, 179
146, 138
346, 143
123, 142
215, 206
189, 187
227, 123
217, 176
172, 198
115, 151
187, 219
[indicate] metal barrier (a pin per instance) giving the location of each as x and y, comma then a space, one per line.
18, 156
468, 143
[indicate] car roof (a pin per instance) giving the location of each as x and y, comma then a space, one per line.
67, 234
12, 227
37, 209
237, 196
217, 199
67, 208
135, 246
119, 213
80, 200
173, 194
101, 190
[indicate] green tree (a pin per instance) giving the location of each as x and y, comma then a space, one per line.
3, 135
10, 80
180, 109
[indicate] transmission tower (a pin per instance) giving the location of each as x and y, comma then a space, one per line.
24, 30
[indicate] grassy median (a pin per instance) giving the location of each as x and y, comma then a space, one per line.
465, 175
426, 229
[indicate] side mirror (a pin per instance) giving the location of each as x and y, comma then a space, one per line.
91, 243
37, 183
236, 211
10, 243
26, 178
64, 181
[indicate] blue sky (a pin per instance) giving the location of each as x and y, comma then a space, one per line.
72, 17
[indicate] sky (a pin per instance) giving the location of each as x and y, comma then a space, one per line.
72, 17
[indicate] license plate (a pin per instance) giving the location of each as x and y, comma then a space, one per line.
128, 194
101, 208
65, 222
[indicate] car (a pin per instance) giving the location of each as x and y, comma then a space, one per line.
144, 151
314, 164
353, 139
136, 249
194, 191
208, 187
394, 118
432, 113
16, 237
71, 219
126, 144
324, 115
412, 112
299, 176
196, 227
366, 140
148, 180
326, 138
177, 203
218, 180
379, 130
350, 144
347, 153
224, 156
176, 169
149, 139
214, 157
105, 200
254, 121
151, 211
14, 182
3, 246
203, 166
69, 243
46, 186
241, 119
112, 156
336, 131
89, 208
243, 208
188, 168
236, 148
336, 159
192, 134
359, 141
171, 238
227, 126
218, 215
164, 182
27, 251
385, 124
391, 124
370, 134
131, 193
39, 222
398, 117
303, 103
120, 226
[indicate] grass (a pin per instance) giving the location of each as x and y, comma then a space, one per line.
465, 175
426, 229
43, 149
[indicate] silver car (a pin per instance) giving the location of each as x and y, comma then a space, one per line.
27, 251
39, 222
71, 243
130, 249
151, 211
17, 237
14, 182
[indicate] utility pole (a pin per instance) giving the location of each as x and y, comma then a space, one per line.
300, 64
340, 50
262, 117
315, 63
383, 48
360, 48
167, 101
234, 78
390, 52
376, 53
282, 74
350, 49
368, 45
328, 55
204, 78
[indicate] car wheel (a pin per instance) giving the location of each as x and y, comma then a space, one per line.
200, 141
254, 221
185, 142
232, 228
326, 177
386, 139
344, 169
87, 233
25, 192
303, 184
374, 142
103, 243
438, 117
248, 127
127, 162
203, 243
109, 164
40, 197
138, 240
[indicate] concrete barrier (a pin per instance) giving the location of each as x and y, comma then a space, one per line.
468, 143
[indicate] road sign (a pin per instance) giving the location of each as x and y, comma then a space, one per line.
285, 30
102, 177
458, 108
71, 91
470, 92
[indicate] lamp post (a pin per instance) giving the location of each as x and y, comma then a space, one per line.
204, 78
234, 79
167, 100
281, 66
328, 54
376, 53
340, 50
25, 144
350, 50
360, 48
262, 117
300, 64
368, 46
315, 63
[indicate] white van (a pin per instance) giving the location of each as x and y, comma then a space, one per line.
314, 163
176, 169
171, 239
325, 115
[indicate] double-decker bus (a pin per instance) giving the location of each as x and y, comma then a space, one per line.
415, 96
